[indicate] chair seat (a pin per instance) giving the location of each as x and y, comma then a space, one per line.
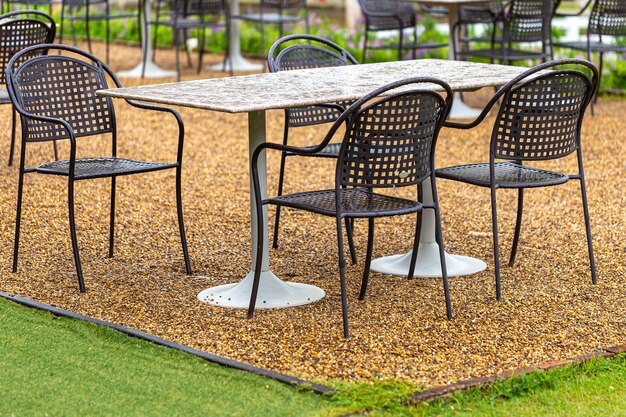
508, 53
593, 46
508, 175
270, 18
101, 167
4, 96
355, 202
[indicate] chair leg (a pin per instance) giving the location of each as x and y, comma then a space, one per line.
107, 33
496, 251
55, 150
13, 122
583, 190
364, 60
281, 179
181, 223
349, 232
342, 279
201, 49
442, 259
87, 31
70, 203
112, 219
416, 245
18, 215
259, 251
368, 257
518, 225
177, 48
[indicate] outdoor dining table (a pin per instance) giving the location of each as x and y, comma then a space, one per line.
255, 94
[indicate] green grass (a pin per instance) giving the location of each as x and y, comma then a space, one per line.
52, 366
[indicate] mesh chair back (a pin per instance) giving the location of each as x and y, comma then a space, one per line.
61, 87
528, 21
540, 119
390, 142
317, 53
608, 17
394, 9
18, 33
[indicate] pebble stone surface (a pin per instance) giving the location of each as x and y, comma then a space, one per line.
549, 311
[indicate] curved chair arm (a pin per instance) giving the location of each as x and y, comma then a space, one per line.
271, 59
507, 87
179, 121
578, 13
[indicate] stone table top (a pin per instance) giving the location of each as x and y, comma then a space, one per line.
301, 88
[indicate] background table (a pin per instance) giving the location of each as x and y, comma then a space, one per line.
254, 94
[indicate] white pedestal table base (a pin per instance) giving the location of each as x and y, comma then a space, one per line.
273, 293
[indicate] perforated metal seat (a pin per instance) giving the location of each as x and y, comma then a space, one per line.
56, 98
302, 52
508, 175
539, 119
87, 168
354, 202
389, 143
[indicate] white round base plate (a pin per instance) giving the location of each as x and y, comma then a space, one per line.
273, 293
428, 264
239, 64
461, 110
152, 71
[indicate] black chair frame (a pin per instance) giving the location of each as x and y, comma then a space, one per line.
317, 53
70, 11
16, 34
188, 15
82, 121
522, 21
513, 123
349, 187
384, 15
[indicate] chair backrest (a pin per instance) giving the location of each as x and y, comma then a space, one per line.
21, 29
480, 14
528, 20
541, 114
303, 52
390, 141
61, 87
608, 17
381, 14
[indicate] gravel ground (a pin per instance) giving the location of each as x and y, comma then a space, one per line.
549, 311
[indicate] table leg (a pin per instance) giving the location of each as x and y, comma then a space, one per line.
272, 291
459, 109
238, 62
152, 70
428, 264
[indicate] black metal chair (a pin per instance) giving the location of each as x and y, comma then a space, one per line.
607, 21
301, 52
524, 22
31, 4
389, 143
56, 98
390, 15
188, 15
90, 11
279, 13
539, 119
18, 30
487, 14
